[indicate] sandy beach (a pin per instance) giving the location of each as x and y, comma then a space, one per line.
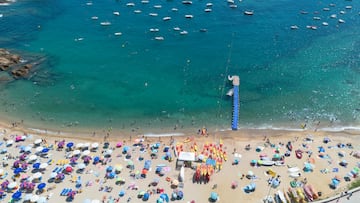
119, 168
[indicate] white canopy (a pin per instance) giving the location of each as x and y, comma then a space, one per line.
186, 156
12, 185
44, 165
34, 198
79, 145
76, 152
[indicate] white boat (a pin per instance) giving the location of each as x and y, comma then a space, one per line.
166, 18
184, 32
207, 9
209, 4
117, 13
342, 12
326, 9
94, 18
158, 6
137, 11
233, 6
294, 27
189, 16
348, 7
144, 1
174, 9
89, 3
249, 13
333, 16
332, 5
187, 2
131, 4
154, 30
153, 14
316, 18
312, 27
176, 28
341, 21
230, 92
1, 15
106, 23
159, 38
117, 33
325, 24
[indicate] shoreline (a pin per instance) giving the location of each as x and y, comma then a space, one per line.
236, 140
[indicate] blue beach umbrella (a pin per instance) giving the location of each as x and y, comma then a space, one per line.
164, 197
36, 165
70, 144
146, 197
45, 150
41, 186
16, 195
121, 193
109, 168
17, 171
214, 196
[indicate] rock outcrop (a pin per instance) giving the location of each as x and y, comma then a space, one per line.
13, 64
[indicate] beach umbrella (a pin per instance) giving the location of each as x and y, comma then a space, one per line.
18, 138
119, 144
81, 166
27, 149
180, 195
214, 196
36, 165
60, 176
53, 175
68, 169
24, 176
73, 160
45, 150
32, 157
122, 193
126, 149
17, 171
9, 143
43, 165
76, 152
37, 175
38, 141
86, 152
39, 149
94, 145
42, 199
163, 196
159, 200
69, 144
16, 164
79, 145
12, 185
109, 168
22, 157
1, 171
118, 167
72, 194
175, 182
61, 144
28, 197
86, 145
41, 186
87, 159
108, 152
146, 196
96, 159
16, 195
34, 198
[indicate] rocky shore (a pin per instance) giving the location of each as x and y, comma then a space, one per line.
14, 64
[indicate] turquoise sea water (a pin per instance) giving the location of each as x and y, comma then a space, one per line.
94, 79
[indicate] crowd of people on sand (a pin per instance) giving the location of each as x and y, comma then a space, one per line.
35, 168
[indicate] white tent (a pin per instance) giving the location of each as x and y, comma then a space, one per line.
186, 156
